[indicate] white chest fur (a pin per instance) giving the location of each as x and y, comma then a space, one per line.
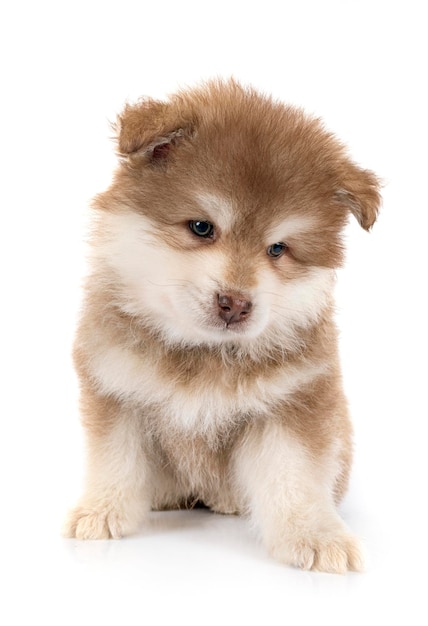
204, 404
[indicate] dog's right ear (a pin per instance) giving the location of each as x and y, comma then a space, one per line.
152, 129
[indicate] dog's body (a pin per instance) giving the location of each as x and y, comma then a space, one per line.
207, 349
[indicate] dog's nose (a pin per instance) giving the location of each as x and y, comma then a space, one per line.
233, 308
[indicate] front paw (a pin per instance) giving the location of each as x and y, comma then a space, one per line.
321, 551
93, 523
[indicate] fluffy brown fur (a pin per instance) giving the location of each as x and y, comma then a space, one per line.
208, 364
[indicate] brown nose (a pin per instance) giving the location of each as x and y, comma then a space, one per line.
233, 308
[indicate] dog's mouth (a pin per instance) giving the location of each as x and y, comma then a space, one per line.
232, 328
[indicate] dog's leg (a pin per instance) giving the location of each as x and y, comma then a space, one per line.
289, 494
116, 495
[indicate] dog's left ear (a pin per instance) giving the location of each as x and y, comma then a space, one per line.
359, 192
152, 128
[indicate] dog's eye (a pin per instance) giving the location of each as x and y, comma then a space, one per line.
276, 249
202, 229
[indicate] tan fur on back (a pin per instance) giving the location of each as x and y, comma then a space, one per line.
186, 398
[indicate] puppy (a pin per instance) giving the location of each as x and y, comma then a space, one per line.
207, 351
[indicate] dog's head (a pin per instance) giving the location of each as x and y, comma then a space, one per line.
224, 220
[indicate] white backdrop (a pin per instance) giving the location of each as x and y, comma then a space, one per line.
66, 69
